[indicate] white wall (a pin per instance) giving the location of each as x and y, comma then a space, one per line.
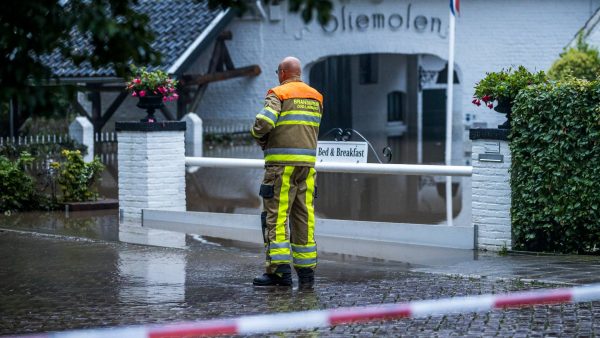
490, 35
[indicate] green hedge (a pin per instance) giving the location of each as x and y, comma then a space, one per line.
555, 174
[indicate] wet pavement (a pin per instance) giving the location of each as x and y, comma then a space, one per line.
61, 273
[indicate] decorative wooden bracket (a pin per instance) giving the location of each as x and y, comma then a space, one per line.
220, 68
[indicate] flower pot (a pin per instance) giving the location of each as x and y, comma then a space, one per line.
150, 103
504, 106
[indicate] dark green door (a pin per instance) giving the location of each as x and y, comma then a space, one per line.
332, 78
434, 125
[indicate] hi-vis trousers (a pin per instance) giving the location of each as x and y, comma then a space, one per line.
288, 193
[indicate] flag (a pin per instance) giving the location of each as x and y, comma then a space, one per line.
455, 7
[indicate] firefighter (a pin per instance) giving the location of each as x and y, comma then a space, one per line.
287, 129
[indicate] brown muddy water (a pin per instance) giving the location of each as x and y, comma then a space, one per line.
401, 199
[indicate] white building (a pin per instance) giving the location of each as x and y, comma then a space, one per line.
380, 65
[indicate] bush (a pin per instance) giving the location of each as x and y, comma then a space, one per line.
555, 172
505, 85
77, 178
582, 62
40, 150
17, 189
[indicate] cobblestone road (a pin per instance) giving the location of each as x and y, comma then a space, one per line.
50, 283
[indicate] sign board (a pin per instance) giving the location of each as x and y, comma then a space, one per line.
338, 151
492, 147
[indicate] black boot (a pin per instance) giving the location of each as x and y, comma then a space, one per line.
306, 277
271, 279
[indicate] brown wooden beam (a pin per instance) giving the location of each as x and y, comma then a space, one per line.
96, 111
198, 80
112, 108
225, 35
100, 88
167, 113
79, 108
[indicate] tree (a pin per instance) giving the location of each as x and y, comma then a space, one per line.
582, 62
33, 29
115, 33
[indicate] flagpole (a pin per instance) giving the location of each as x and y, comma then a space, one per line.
449, 103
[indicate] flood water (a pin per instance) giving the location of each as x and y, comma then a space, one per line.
401, 199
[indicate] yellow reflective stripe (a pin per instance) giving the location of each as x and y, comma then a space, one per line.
306, 123
305, 265
300, 112
310, 208
253, 133
266, 118
282, 251
290, 158
304, 255
283, 204
275, 112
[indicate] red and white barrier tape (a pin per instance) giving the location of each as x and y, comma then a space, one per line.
323, 318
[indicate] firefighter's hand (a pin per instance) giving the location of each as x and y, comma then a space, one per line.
262, 142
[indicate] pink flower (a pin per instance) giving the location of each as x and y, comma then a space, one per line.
137, 80
175, 96
486, 98
172, 89
490, 105
165, 99
171, 98
134, 94
142, 93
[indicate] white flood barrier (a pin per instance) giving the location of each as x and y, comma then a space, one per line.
384, 240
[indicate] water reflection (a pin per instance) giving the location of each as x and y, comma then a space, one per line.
155, 277
100, 224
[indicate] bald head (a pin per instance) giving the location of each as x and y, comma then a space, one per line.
289, 67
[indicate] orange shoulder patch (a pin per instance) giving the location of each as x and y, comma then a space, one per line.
297, 90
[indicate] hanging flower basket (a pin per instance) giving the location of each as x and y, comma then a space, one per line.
153, 89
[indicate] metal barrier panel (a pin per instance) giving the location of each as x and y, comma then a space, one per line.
339, 167
362, 238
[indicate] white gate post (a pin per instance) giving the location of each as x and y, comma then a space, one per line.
81, 131
151, 159
491, 200
193, 135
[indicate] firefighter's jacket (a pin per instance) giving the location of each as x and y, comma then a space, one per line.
288, 126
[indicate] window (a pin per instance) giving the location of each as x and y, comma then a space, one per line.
396, 101
368, 68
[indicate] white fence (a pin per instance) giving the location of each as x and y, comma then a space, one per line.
104, 137
227, 128
37, 139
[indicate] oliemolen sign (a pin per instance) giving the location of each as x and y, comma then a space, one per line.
333, 151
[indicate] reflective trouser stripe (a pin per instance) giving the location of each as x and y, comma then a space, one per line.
283, 205
279, 252
304, 255
310, 190
305, 262
304, 248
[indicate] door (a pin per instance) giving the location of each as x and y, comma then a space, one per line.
332, 78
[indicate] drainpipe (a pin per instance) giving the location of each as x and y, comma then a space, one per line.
261, 9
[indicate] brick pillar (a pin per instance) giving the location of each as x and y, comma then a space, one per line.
151, 160
491, 198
